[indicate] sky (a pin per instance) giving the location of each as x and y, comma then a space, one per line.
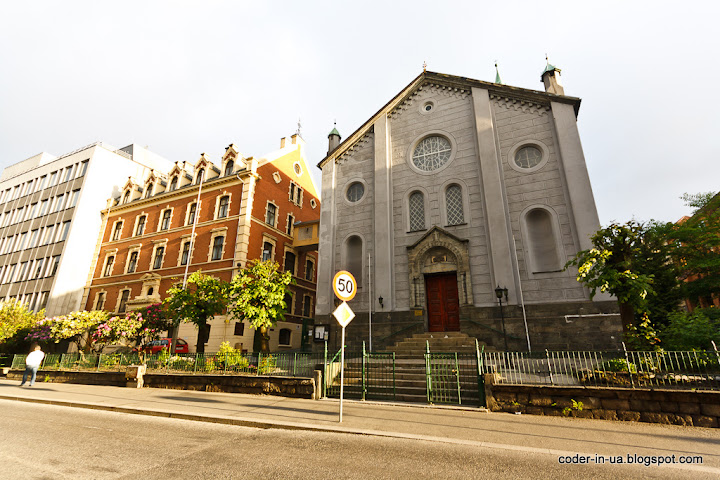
187, 77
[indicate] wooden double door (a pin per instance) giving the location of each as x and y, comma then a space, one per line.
443, 303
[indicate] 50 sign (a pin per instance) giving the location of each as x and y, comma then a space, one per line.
344, 285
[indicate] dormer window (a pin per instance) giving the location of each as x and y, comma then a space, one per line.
149, 190
173, 184
229, 167
126, 198
200, 175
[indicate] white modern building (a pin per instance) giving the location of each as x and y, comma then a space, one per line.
50, 219
454, 192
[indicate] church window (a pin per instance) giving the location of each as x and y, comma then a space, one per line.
355, 192
454, 204
354, 257
542, 241
431, 153
298, 169
528, 157
417, 211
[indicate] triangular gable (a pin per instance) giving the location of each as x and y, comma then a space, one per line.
441, 232
450, 81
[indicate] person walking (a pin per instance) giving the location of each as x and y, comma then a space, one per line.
32, 363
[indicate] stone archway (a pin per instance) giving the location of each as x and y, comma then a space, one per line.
439, 269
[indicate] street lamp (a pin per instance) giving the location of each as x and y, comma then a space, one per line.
499, 292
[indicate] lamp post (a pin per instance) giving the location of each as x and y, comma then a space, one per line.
499, 292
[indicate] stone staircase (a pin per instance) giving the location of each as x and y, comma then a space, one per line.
409, 371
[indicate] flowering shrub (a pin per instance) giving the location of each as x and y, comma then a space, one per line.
126, 330
74, 326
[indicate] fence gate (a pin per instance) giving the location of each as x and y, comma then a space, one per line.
443, 377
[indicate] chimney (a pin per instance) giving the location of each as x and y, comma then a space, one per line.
333, 139
282, 142
551, 78
294, 138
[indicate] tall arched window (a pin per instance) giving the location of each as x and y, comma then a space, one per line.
454, 205
416, 206
354, 257
229, 167
542, 242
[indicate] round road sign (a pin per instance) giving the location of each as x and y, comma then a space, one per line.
344, 285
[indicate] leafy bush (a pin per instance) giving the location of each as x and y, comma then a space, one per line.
231, 357
618, 365
692, 331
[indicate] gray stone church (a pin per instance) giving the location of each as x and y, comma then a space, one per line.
454, 196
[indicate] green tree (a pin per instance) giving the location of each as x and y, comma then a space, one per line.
75, 327
258, 296
696, 248
16, 321
203, 297
692, 331
613, 266
127, 330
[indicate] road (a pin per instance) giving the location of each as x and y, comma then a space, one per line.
53, 442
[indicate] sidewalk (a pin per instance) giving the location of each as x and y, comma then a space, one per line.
473, 426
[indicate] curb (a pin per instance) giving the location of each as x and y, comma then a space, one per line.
246, 422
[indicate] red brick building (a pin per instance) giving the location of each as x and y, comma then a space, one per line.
248, 209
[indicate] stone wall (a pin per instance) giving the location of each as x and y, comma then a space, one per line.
598, 328
282, 386
674, 407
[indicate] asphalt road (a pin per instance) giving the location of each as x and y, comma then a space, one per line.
51, 442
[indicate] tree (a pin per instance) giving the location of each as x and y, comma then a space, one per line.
614, 266
128, 330
75, 327
16, 321
696, 248
258, 296
203, 297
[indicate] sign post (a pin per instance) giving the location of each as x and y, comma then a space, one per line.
345, 288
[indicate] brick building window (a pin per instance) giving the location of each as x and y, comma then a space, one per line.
140, 225
217, 248
267, 251
165, 223
108, 265
224, 206
159, 253
123, 301
270, 214
185, 253
132, 263
117, 231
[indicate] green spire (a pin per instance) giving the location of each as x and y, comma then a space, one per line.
497, 75
549, 68
334, 132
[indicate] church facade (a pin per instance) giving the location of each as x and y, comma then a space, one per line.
459, 193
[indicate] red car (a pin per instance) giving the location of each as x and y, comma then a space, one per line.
156, 346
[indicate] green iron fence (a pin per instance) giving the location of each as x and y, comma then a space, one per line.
294, 364
368, 375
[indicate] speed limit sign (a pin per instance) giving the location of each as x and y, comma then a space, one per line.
344, 285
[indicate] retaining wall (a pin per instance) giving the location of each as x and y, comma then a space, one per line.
674, 407
296, 387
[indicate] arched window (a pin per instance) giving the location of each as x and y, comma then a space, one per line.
173, 183
354, 257
542, 242
200, 175
149, 190
229, 167
126, 198
416, 206
454, 205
